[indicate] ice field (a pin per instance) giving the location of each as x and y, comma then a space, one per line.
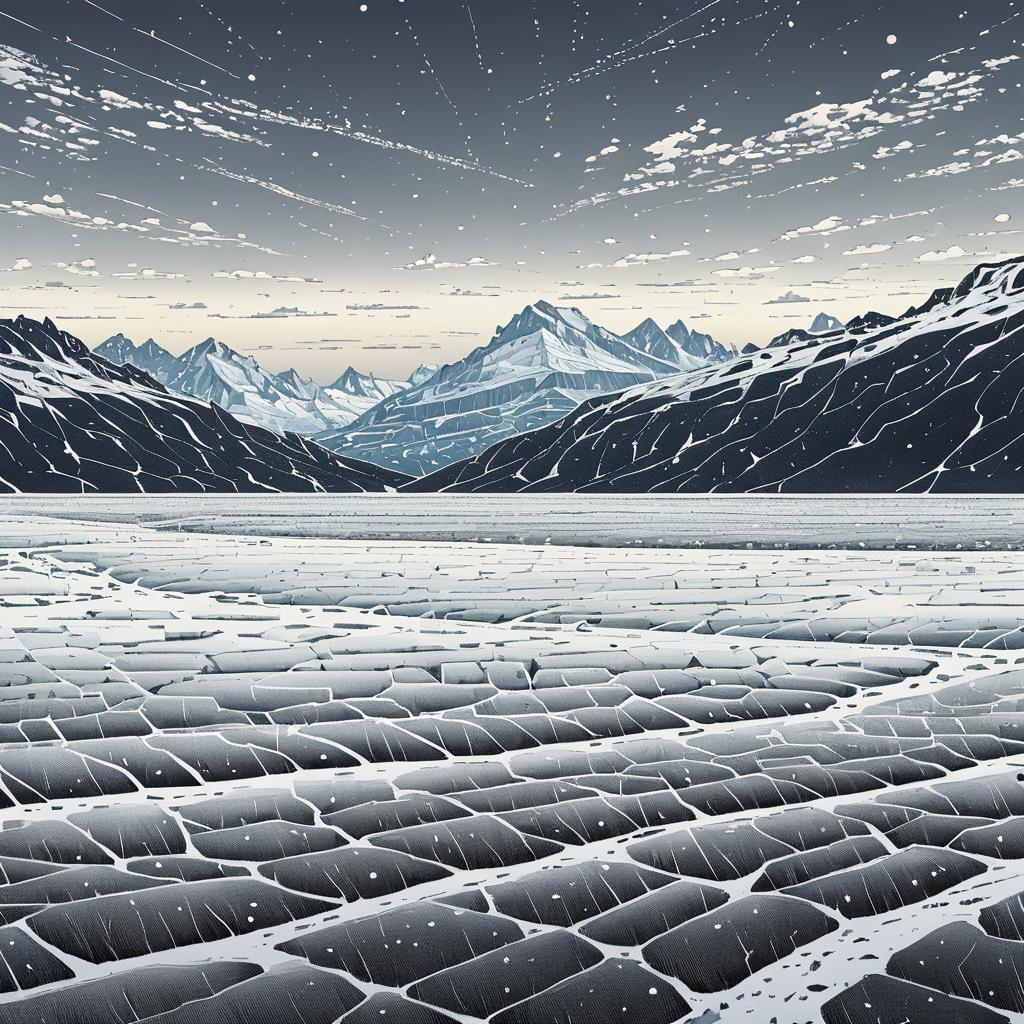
253, 777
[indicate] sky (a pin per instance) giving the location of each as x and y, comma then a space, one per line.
380, 184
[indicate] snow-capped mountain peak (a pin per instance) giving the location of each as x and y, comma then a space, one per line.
649, 337
352, 382
703, 346
825, 322
537, 367
118, 349
301, 387
361, 391
422, 373
214, 372
71, 420
148, 356
925, 402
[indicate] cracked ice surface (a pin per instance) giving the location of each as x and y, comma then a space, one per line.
345, 780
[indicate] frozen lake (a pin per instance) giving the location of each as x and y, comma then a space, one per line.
868, 522
716, 784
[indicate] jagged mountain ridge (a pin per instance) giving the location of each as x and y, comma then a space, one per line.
215, 372
701, 346
541, 365
930, 401
73, 421
422, 373
676, 345
825, 322
354, 384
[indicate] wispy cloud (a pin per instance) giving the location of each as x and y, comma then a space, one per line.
431, 262
263, 275
867, 250
376, 307
785, 298
752, 273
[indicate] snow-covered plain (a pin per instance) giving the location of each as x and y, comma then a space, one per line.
600, 520
308, 779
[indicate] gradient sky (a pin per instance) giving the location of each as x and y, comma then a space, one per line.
422, 170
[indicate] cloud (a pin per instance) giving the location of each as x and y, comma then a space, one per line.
943, 171
804, 259
937, 255
936, 79
669, 147
23, 72
95, 316
883, 152
751, 273
982, 157
728, 257
196, 234
1009, 183
115, 99
867, 250
640, 259
689, 283
826, 226
20, 264
81, 268
263, 275
376, 307
1009, 157
683, 159
595, 295
287, 311
431, 262
785, 298
605, 151
148, 274
188, 305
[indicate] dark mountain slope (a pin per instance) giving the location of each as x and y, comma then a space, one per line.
72, 421
931, 401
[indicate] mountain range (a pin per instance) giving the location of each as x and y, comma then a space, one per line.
214, 372
929, 401
71, 420
537, 368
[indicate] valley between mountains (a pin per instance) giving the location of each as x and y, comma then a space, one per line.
927, 401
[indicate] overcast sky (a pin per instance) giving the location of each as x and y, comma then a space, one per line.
382, 183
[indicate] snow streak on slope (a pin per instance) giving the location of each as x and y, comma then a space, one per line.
540, 366
283, 401
927, 402
72, 421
